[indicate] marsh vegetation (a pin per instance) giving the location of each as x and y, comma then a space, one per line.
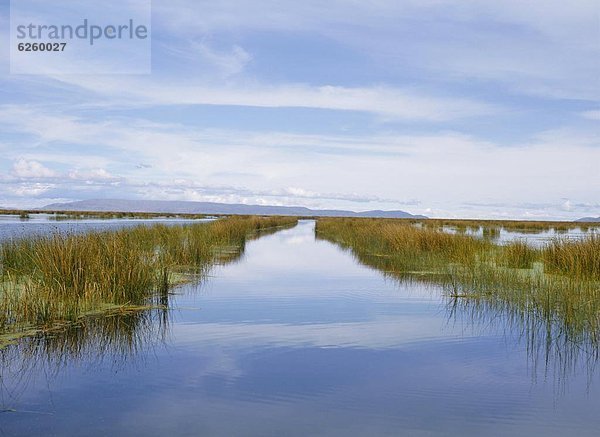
554, 288
51, 281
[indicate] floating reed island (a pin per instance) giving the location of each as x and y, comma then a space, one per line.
48, 282
555, 287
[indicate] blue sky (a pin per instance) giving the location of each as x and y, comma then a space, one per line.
445, 108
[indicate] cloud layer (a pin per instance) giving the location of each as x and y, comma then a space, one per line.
461, 108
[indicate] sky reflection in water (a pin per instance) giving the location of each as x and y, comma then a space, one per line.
296, 338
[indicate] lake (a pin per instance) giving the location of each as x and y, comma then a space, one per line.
298, 338
535, 238
12, 226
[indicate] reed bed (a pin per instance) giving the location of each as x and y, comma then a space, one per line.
62, 216
579, 258
518, 254
509, 225
557, 285
53, 280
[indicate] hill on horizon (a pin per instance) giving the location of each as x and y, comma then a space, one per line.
189, 207
589, 220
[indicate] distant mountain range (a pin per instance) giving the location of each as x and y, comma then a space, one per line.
589, 220
179, 207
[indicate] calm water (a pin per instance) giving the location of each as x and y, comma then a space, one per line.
12, 227
535, 238
299, 339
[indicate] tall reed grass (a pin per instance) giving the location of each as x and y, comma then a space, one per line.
574, 258
56, 279
557, 285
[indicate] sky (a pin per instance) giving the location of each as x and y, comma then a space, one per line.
458, 108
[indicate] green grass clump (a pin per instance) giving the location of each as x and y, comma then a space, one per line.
412, 248
574, 258
518, 254
52, 279
491, 233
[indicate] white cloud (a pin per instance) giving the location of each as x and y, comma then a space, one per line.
230, 63
31, 189
443, 170
32, 170
386, 101
567, 205
95, 174
181, 189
